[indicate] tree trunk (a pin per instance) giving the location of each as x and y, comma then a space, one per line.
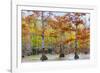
76, 49
43, 57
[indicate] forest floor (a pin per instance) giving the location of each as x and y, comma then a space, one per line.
36, 58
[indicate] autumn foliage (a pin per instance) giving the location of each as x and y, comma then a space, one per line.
58, 29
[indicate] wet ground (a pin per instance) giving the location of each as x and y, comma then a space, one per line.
36, 58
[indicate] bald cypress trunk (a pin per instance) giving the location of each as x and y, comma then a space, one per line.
76, 49
43, 57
